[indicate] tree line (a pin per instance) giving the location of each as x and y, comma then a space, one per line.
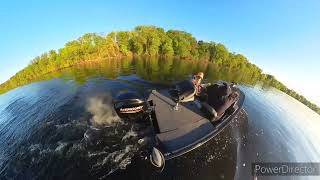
145, 41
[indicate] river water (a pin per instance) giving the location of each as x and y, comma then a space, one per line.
62, 126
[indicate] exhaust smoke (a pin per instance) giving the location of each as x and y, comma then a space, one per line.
101, 108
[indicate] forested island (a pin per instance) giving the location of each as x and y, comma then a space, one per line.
147, 41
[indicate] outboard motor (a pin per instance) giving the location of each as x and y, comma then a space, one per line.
129, 105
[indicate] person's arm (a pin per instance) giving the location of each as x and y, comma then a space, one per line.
205, 85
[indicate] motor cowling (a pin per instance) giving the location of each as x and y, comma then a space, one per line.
129, 105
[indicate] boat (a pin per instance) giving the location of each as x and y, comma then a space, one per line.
181, 122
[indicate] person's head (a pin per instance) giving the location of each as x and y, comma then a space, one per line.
198, 77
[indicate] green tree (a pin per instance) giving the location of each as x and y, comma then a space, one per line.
221, 54
184, 45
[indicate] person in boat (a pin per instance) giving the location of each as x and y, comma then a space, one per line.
196, 80
189, 90
200, 89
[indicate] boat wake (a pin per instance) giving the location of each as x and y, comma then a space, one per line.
91, 147
242, 164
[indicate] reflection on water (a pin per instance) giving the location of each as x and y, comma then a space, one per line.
65, 127
157, 70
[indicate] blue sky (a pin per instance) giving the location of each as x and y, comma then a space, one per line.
282, 37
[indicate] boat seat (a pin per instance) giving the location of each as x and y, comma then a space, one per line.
183, 91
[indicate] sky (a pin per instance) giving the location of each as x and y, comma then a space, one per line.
282, 37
